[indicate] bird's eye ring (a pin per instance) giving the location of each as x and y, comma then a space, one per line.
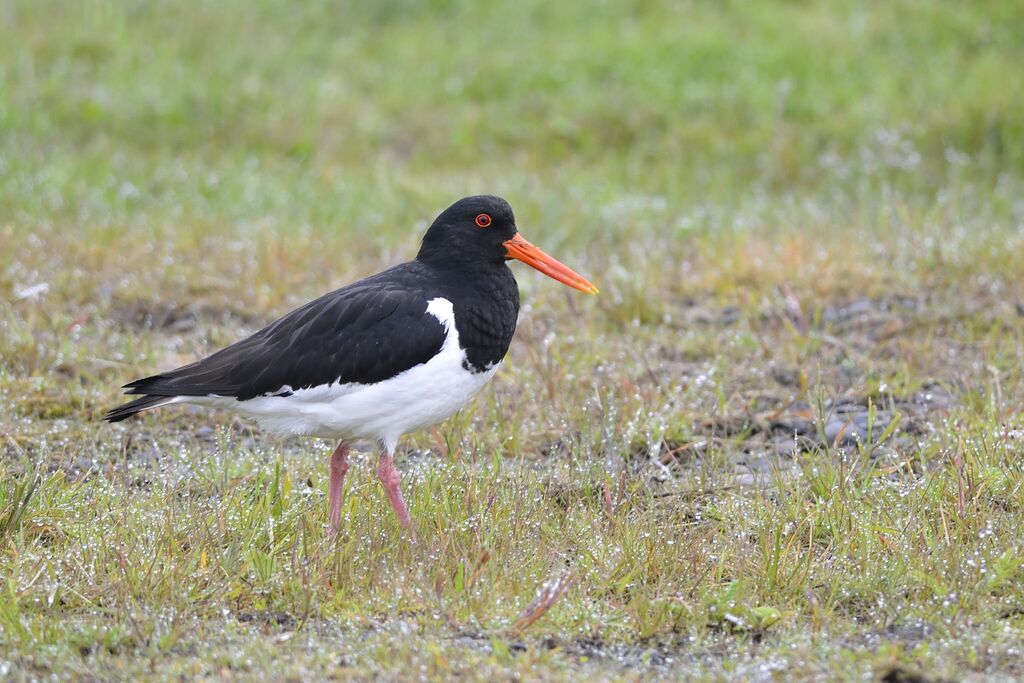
482, 220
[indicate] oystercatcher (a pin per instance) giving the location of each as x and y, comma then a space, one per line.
396, 352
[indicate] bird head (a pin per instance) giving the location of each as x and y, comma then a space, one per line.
482, 229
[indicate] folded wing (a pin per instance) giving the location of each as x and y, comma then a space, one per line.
361, 334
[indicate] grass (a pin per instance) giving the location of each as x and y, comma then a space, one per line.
784, 442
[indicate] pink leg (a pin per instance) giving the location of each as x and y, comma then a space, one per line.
389, 478
339, 466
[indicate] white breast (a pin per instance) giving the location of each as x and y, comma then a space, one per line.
416, 398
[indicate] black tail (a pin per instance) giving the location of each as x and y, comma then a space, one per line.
125, 411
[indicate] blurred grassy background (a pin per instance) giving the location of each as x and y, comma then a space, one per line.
372, 115
784, 204
298, 146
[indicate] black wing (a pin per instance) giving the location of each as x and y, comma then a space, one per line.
364, 333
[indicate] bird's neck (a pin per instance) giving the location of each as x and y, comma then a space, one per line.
485, 301
480, 276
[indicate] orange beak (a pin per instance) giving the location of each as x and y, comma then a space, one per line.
519, 249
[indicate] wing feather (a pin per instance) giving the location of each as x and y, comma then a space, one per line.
364, 333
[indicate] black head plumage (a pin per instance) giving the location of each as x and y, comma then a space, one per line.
473, 230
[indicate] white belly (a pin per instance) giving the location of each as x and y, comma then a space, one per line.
419, 397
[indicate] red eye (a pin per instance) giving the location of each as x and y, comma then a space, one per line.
483, 220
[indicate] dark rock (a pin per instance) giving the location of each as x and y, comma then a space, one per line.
787, 447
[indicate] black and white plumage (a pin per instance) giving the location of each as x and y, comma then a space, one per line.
393, 353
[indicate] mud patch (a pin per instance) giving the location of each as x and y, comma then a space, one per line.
143, 314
